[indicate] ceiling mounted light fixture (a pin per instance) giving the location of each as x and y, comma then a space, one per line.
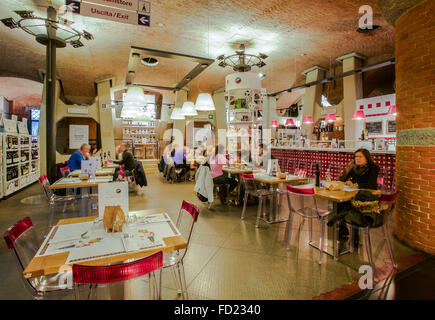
289, 122
261, 75
241, 61
204, 102
358, 115
308, 120
188, 109
392, 111
177, 114
150, 61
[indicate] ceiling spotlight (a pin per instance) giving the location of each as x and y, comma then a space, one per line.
263, 56
260, 64
87, 35
25, 14
77, 44
204, 65
261, 76
222, 64
10, 23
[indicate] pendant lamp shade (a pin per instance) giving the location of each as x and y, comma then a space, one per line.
330, 117
274, 123
358, 115
392, 111
188, 109
308, 120
177, 114
204, 102
289, 122
135, 95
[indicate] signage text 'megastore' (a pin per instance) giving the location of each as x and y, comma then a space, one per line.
106, 13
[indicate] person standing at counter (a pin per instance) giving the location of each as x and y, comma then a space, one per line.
362, 171
75, 160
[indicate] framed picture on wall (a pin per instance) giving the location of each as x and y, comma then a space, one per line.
391, 126
374, 127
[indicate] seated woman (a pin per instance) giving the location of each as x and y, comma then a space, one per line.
217, 161
362, 173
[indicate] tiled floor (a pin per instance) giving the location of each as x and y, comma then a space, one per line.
228, 258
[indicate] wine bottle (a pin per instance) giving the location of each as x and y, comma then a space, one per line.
317, 176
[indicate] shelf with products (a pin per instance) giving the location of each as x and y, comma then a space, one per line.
21, 163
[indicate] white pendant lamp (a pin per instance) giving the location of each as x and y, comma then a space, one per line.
135, 95
204, 102
188, 109
177, 114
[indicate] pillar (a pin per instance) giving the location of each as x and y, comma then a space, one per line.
313, 97
414, 221
107, 115
352, 91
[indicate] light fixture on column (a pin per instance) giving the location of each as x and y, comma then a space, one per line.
308, 120
188, 109
330, 117
177, 114
392, 111
204, 102
289, 122
274, 123
358, 115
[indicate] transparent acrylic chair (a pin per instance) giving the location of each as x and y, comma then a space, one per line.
304, 203
101, 281
187, 218
251, 189
387, 202
24, 241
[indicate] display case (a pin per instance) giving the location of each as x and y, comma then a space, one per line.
20, 159
142, 137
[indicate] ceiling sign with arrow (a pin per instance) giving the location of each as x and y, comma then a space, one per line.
134, 12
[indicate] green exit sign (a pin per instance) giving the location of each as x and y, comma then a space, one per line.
210, 116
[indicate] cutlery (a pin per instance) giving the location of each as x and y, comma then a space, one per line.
71, 246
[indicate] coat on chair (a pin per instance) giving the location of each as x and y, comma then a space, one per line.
204, 183
139, 175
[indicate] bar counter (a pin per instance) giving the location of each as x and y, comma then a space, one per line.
334, 160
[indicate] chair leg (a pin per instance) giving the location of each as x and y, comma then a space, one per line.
310, 227
369, 252
260, 206
176, 279
351, 235
183, 280
245, 202
389, 244
322, 237
289, 229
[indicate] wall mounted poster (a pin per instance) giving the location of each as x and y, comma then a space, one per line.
78, 135
374, 127
113, 194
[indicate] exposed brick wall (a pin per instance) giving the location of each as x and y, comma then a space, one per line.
415, 99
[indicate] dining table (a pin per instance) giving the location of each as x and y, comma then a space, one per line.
84, 185
84, 241
273, 183
236, 171
98, 172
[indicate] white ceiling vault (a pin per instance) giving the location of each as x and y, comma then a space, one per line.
296, 34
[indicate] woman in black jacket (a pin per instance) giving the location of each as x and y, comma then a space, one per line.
362, 173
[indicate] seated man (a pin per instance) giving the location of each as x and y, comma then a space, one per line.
265, 156
75, 160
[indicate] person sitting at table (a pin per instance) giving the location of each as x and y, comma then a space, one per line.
361, 173
75, 160
127, 159
217, 161
265, 155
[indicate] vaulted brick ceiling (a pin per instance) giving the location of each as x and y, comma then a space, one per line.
283, 29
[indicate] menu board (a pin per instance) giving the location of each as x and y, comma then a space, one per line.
374, 127
391, 126
78, 135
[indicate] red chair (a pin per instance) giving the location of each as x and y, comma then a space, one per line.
251, 189
187, 218
65, 171
107, 275
387, 202
308, 209
23, 240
